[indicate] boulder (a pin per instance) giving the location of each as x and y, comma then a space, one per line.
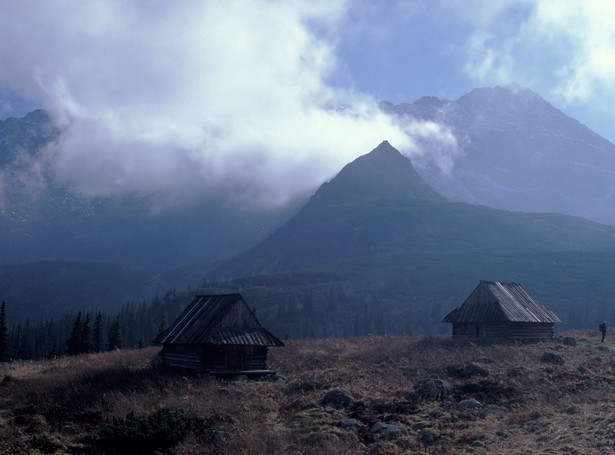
346, 423
387, 430
337, 398
430, 437
569, 341
433, 388
549, 357
469, 404
468, 371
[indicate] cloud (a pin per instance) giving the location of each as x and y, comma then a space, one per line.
191, 99
564, 49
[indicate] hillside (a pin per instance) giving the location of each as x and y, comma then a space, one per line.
378, 205
376, 250
526, 402
518, 152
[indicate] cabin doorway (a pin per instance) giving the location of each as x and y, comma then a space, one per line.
479, 330
234, 358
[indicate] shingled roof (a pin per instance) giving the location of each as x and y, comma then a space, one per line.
218, 319
492, 301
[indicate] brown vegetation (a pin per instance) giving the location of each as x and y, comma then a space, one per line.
528, 406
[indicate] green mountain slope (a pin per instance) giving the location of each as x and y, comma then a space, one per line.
378, 205
376, 250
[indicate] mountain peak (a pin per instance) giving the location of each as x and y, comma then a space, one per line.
384, 173
511, 97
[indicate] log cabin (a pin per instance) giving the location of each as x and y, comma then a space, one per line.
219, 335
501, 310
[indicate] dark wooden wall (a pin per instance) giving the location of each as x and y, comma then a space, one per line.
215, 357
515, 330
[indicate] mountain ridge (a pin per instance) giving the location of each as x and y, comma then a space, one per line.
357, 214
519, 153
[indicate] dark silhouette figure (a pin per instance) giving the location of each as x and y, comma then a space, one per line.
602, 328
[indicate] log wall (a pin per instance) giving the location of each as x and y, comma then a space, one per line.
215, 358
514, 330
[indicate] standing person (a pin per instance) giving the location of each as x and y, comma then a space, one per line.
602, 328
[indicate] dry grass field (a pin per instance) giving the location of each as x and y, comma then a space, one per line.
68, 405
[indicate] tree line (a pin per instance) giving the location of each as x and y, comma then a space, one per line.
135, 325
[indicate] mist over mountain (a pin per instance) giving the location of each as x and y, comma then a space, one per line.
519, 153
363, 253
42, 220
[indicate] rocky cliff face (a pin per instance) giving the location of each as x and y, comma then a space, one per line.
518, 153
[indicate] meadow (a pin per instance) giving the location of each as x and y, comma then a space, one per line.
124, 401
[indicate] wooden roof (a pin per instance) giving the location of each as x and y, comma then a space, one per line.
218, 319
492, 301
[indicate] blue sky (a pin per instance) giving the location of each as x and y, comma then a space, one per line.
563, 50
173, 97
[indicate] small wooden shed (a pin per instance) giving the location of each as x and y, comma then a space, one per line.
217, 334
501, 310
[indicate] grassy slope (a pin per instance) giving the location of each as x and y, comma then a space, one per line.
59, 406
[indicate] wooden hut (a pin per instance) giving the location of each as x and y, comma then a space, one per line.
501, 310
217, 334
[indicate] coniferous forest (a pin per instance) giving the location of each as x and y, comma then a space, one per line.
134, 326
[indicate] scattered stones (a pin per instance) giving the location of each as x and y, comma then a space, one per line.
433, 389
469, 404
337, 398
347, 423
468, 371
387, 430
569, 341
549, 357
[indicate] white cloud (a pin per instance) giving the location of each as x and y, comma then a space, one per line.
190, 98
565, 49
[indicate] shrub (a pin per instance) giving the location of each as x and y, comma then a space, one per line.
145, 434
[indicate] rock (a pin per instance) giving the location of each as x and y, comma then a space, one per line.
346, 423
468, 371
515, 372
387, 430
569, 341
549, 357
337, 398
310, 384
430, 437
469, 404
433, 389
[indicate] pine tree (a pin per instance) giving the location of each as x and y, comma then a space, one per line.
97, 339
73, 344
3, 332
85, 342
114, 339
163, 324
